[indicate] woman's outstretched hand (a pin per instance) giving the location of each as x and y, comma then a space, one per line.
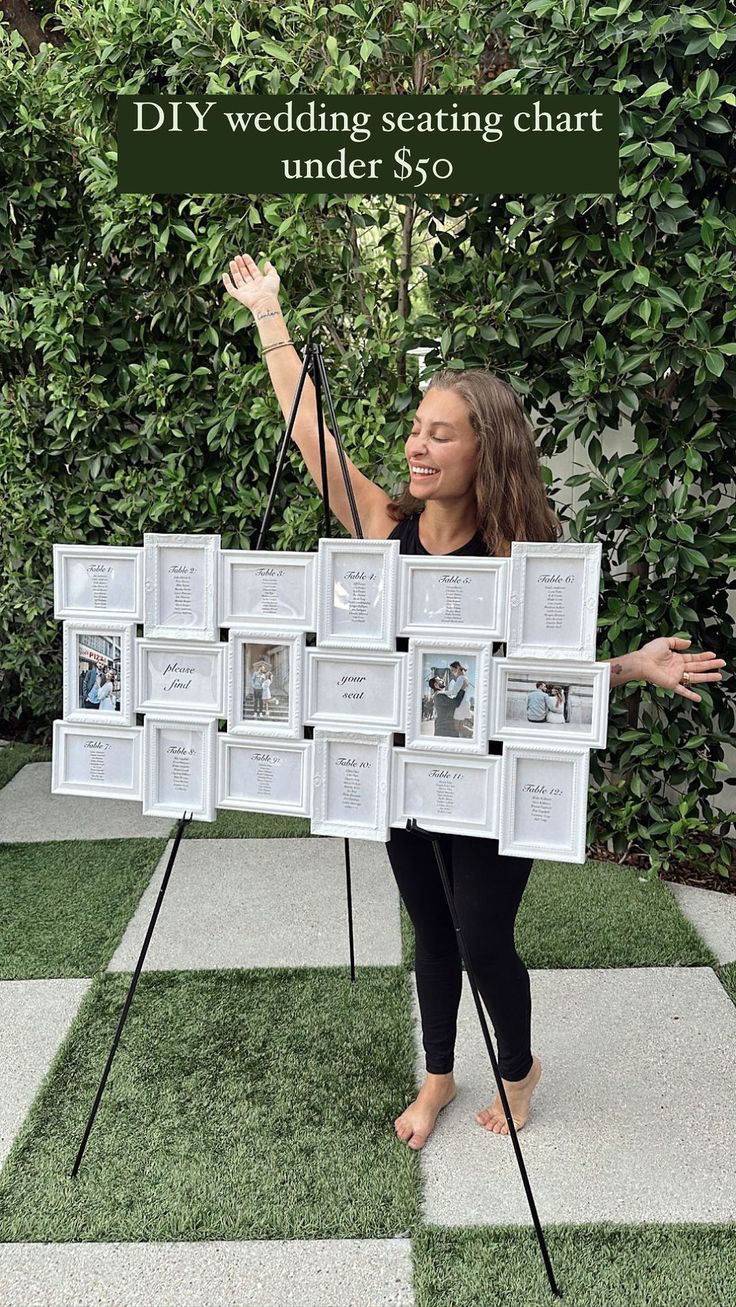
662, 664
247, 285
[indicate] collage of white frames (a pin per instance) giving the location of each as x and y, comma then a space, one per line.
208, 647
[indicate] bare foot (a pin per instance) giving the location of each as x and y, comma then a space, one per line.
519, 1093
416, 1124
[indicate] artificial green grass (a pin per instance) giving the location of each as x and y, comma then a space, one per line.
596, 915
602, 1265
727, 976
64, 906
241, 1105
232, 825
15, 756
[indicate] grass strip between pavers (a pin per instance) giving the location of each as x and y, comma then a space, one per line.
15, 756
596, 915
241, 1105
64, 906
232, 825
601, 1265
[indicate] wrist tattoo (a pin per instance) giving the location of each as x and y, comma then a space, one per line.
267, 313
617, 668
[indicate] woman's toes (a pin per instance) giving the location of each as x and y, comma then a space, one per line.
417, 1141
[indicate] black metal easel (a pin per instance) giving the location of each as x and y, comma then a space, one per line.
314, 364
182, 822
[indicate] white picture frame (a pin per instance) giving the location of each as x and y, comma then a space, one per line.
104, 582
264, 775
176, 677
355, 688
351, 783
460, 596
429, 720
102, 762
281, 654
553, 600
268, 587
544, 799
179, 766
180, 586
573, 696
459, 795
357, 594
88, 645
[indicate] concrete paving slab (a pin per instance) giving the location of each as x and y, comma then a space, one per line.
258, 1273
35, 1016
632, 1120
712, 914
30, 813
267, 903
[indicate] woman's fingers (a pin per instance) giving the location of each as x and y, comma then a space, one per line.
686, 694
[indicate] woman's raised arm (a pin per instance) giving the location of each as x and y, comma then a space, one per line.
258, 291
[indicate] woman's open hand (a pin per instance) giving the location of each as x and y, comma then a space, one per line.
661, 663
249, 286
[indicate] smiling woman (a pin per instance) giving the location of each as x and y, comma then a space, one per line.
474, 486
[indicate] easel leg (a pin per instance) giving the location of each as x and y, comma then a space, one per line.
349, 890
412, 825
183, 821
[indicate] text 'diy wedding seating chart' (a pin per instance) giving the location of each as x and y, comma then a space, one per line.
197, 678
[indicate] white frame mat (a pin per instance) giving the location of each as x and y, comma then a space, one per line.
580, 615
454, 573
381, 637
443, 777
125, 631
355, 667
271, 563
237, 724
542, 793
452, 647
153, 806
155, 545
270, 755
98, 557
112, 737
379, 744
182, 653
550, 731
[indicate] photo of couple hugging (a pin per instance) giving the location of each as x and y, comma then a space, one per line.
547, 703
98, 686
450, 704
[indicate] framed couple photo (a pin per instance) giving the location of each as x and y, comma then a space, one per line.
447, 685
550, 702
98, 677
266, 683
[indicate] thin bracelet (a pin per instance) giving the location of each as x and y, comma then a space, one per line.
277, 346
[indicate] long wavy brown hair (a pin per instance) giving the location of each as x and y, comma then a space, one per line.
511, 498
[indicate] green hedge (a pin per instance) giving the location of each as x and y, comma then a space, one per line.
133, 398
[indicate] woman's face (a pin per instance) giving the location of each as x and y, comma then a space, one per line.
442, 450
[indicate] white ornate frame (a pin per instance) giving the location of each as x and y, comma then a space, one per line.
236, 723
486, 824
409, 564
64, 611
207, 726
593, 737
126, 632
389, 549
481, 650
306, 562
116, 735
218, 652
382, 740
393, 720
521, 551
153, 545
227, 743
553, 753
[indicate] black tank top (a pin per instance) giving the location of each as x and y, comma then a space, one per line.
407, 534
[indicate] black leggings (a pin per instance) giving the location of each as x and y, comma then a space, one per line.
487, 890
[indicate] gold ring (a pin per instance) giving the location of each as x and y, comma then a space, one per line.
685, 678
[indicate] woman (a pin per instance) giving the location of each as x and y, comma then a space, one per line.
474, 486
266, 691
107, 692
556, 709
